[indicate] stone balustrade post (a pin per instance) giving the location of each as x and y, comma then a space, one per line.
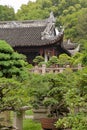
79, 66
43, 69
36, 69
61, 70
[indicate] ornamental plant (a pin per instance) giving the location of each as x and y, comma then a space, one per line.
77, 58
38, 89
54, 99
76, 100
64, 59
52, 61
48, 90
13, 95
38, 59
14, 79
12, 64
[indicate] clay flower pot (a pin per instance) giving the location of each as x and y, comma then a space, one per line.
48, 123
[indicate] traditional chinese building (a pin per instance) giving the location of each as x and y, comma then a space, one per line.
32, 38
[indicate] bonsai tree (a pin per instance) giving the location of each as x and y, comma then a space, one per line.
76, 100
48, 90
11, 63
38, 89
13, 95
77, 58
13, 66
52, 61
38, 59
55, 96
13, 79
64, 59
54, 100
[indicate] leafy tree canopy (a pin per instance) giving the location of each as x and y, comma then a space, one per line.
11, 63
13, 78
6, 13
75, 98
13, 95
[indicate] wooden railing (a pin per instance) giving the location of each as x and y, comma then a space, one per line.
44, 69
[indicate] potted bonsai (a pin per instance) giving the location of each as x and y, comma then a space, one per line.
38, 59
64, 60
53, 61
48, 90
54, 101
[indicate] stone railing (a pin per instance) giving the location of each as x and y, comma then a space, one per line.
44, 69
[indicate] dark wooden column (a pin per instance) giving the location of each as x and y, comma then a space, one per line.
53, 52
41, 51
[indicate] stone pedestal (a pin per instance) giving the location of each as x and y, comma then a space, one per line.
39, 113
5, 118
18, 120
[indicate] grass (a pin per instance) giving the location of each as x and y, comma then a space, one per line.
29, 124
29, 112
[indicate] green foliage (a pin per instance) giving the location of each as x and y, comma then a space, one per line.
76, 97
38, 89
6, 13
55, 96
13, 76
38, 59
82, 24
31, 125
83, 45
48, 90
65, 94
67, 88
52, 61
12, 63
29, 112
76, 122
84, 60
26, 12
13, 94
17, 56
5, 48
77, 58
64, 59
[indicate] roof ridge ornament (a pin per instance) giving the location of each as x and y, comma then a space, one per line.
77, 49
52, 19
49, 30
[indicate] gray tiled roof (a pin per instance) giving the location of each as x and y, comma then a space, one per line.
26, 35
